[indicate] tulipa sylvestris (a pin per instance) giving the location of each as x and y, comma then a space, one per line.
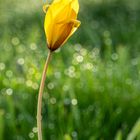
60, 23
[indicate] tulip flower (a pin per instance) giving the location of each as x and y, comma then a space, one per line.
60, 23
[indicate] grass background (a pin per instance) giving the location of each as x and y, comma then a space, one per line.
93, 85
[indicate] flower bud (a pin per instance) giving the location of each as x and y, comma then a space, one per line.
60, 22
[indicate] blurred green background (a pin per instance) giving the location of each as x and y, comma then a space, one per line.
92, 90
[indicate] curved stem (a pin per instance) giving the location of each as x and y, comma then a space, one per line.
39, 105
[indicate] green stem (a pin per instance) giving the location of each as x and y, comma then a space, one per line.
39, 105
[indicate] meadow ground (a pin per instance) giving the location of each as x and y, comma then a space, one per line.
92, 89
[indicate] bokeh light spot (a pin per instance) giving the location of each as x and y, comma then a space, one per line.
20, 61
9, 91
9, 73
74, 101
33, 46
50, 85
15, 41
2, 66
53, 100
31, 135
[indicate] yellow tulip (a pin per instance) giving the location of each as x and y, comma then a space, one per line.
60, 22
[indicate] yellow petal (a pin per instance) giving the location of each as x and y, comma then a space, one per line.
76, 24
75, 6
63, 1
48, 26
52, 33
62, 35
65, 31
64, 14
57, 7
